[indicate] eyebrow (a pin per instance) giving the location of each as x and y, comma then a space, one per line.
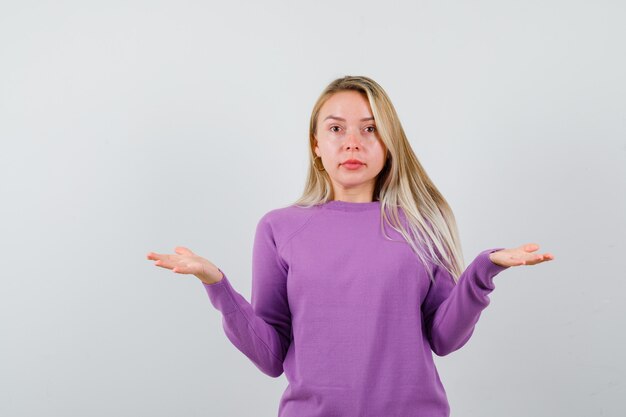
343, 120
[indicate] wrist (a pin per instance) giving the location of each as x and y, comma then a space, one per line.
491, 257
212, 277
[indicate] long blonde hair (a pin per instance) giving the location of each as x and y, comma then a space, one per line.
402, 183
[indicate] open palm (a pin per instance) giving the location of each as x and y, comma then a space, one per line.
522, 255
187, 262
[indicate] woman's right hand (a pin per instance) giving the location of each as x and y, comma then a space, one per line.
187, 262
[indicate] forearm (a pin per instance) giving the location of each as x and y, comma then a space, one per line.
248, 332
455, 319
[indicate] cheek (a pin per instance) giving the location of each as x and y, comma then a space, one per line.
327, 146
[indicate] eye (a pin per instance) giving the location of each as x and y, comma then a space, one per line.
371, 127
331, 128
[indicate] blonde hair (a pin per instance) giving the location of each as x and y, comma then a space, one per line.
402, 183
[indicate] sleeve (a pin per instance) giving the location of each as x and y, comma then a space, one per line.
261, 330
451, 310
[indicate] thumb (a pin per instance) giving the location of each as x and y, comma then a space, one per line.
530, 247
181, 250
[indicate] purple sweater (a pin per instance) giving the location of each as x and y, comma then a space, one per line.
350, 317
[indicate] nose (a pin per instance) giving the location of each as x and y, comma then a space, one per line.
352, 141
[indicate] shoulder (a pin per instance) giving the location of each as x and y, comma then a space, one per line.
284, 222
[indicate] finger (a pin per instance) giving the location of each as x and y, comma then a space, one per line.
174, 265
181, 250
168, 261
181, 269
530, 247
535, 259
153, 256
547, 257
163, 264
156, 256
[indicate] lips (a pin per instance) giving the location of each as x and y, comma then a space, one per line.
352, 162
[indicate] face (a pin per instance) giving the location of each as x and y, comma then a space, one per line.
346, 130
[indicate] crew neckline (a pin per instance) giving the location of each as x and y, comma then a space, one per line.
350, 206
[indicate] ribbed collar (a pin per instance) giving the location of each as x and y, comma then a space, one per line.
349, 206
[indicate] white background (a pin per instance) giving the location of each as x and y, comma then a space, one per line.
128, 127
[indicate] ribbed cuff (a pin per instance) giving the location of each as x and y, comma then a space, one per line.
486, 269
490, 267
221, 294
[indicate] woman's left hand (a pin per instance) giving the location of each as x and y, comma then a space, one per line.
522, 255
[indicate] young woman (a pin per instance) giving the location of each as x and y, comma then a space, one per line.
357, 283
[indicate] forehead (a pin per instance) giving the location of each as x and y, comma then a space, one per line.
347, 105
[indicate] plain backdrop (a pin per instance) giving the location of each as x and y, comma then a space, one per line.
135, 126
